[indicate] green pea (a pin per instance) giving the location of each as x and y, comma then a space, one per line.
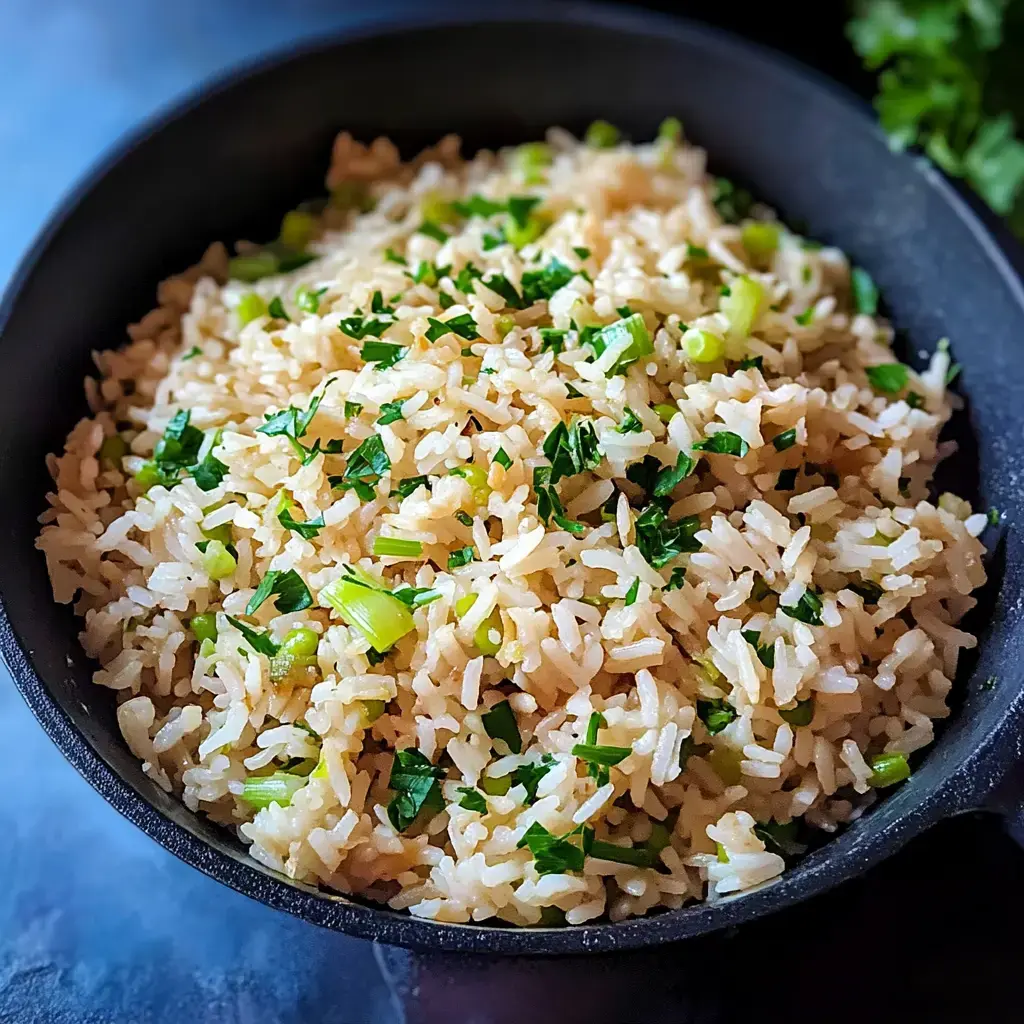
300, 641
204, 626
703, 346
253, 266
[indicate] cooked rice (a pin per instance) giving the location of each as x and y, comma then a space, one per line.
571, 643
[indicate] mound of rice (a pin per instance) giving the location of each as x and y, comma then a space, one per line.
617, 701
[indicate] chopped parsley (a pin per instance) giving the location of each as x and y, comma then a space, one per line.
799, 715
464, 279
393, 257
805, 318
571, 450
866, 589
600, 755
478, 206
807, 609
472, 800
434, 231
676, 579
276, 309
914, 400
463, 325
292, 594
781, 838
463, 556
502, 459
500, 724
733, 203
501, 285
669, 477
179, 451
464, 517
414, 781
752, 363
352, 409
369, 462
765, 652
725, 442
582, 251
390, 412
630, 423
529, 775
661, 539
405, 487
697, 253
307, 529
785, 440
429, 273
359, 327
259, 640
552, 339
631, 594
715, 713
541, 284
384, 353
554, 855
889, 378
493, 239
194, 351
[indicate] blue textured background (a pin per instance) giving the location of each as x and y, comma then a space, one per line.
99, 924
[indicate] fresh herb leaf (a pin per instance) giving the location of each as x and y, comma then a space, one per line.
359, 327
914, 400
520, 208
552, 854
276, 309
805, 318
414, 781
539, 285
501, 285
552, 339
529, 775
733, 203
390, 412
369, 462
807, 609
416, 597
630, 423
260, 641
571, 450
433, 231
752, 363
725, 442
292, 593
670, 477
866, 589
393, 257
715, 713
765, 652
472, 800
582, 251
889, 378
194, 351
405, 487
676, 579
493, 239
781, 838
463, 325
500, 724
802, 714
461, 557
307, 529
661, 539
502, 459
631, 594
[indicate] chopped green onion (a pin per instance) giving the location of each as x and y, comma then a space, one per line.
629, 336
500, 724
417, 597
381, 618
476, 477
530, 157
204, 626
113, 449
250, 307
889, 378
218, 562
637, 856
297, 229
865, 292
802, 714
261, 791
760, 238
519, 235
252, 267
602, 135
671, 130
397, 548
703, 346
785, 440
888, 769
503, 325
665, 412
742, 306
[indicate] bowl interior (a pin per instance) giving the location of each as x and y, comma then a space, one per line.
228, 165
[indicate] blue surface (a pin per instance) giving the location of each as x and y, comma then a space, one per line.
99, 924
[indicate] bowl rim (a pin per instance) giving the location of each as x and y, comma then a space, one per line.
365, 920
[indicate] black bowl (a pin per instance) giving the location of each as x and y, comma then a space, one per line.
227, 162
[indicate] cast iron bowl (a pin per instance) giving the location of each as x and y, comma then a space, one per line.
226, 163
